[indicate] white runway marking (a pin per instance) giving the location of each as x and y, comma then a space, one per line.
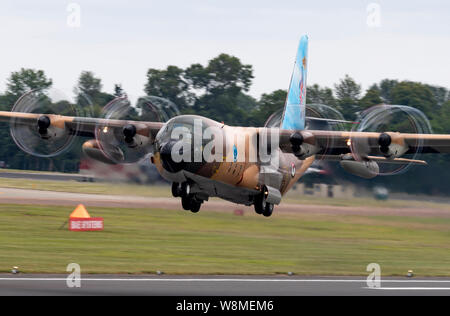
230, 280
412, 288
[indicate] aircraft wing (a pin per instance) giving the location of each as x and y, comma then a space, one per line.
113, 141
332, 144
80, 126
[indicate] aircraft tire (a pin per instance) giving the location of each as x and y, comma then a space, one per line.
186, 202
195, 206
176, 189
260, 204
268, 210
185, 189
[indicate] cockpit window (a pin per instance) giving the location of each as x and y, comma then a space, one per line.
183, 130
184, 127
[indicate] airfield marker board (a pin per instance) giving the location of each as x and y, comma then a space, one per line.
80, 220
86, 224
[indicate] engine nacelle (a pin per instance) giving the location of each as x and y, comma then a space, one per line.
94, 150
133, 138
392, 145
304, 144
48, 131
365, 169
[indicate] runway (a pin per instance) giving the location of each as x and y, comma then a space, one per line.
218, 285
41, 197
54, 176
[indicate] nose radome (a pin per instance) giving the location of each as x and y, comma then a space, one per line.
167, 160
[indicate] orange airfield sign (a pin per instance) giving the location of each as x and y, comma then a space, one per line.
80, 220
80, 212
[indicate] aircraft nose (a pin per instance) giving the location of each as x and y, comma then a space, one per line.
167, 160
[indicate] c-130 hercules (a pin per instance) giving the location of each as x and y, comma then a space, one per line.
246, 165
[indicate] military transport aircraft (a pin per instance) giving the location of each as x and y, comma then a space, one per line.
250, 165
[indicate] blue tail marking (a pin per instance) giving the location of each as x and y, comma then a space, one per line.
294, 109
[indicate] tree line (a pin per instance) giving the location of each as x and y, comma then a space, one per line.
219, 90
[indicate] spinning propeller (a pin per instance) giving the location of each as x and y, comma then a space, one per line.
133, 141
382, 119
49, 136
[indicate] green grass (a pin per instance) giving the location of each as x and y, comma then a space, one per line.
144, 241
88, 187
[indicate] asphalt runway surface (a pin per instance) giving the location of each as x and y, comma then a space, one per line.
218, 285
40, 197
56, 176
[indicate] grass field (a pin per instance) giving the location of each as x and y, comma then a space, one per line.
144, 241
88, 187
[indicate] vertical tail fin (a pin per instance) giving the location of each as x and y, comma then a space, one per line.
294, 108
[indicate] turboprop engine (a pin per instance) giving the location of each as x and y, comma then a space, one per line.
133, 141
303, 144
388, 149
50, 135
392, 145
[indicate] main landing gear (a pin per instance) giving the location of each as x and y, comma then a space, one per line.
188, 200
262, 206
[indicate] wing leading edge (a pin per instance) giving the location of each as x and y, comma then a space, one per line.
80, 126
334, 143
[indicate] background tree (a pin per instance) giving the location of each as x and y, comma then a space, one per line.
26, 80
317, 94
269, 104
441, 94
88, 84
441, 120
414, 94
170, 84
219, 90
226, 73
347, 93
89, 95
385, 87
371, 98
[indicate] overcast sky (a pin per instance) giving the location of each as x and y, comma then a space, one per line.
120, 40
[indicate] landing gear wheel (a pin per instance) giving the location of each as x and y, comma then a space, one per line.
176, 190
195, 206
259, 204
262, 206
268, 210
186, 202
185, 189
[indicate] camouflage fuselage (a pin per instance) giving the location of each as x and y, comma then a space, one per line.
241, 165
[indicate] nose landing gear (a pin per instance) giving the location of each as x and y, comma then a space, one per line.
189, 201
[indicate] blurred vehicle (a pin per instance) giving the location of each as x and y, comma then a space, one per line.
142, 172
380, 193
